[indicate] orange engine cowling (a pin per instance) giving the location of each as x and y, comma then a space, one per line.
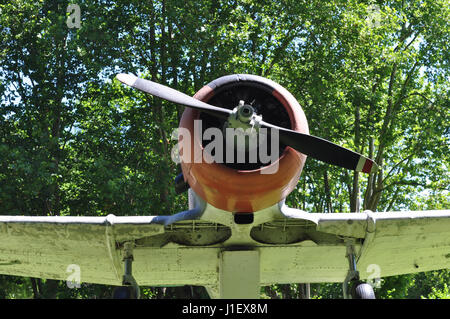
244, 187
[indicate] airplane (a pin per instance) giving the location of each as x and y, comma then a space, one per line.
238, 234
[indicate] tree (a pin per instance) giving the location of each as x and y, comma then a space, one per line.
45, 68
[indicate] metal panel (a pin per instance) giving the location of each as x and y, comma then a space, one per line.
239, 274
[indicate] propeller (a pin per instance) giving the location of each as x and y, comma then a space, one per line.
309, 145
171, 95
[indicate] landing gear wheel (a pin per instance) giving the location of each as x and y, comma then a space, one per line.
124, 292
180, 185
362, 290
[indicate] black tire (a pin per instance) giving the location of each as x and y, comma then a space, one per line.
124, 292
180, 185
362, 290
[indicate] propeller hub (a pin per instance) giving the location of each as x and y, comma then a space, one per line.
243, 116
244, 124
245, 112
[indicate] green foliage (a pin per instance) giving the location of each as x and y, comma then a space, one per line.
73, 141
443, 294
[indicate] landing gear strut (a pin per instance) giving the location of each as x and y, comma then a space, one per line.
129, 288
357, 289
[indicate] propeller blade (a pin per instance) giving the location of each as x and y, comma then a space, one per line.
324, 150
171, 95
309, 145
